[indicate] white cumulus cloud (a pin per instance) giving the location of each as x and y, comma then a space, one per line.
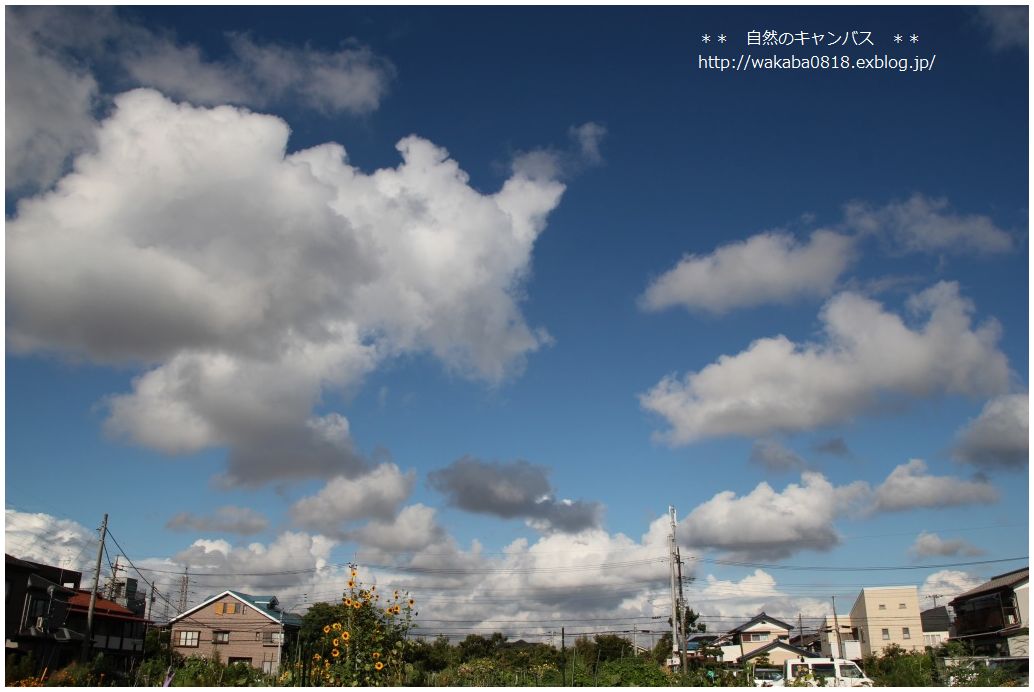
910, 486
765, 524
378, 493
49, 540
251, 280
764, 269
867, 357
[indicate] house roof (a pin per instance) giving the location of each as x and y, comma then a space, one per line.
1001, 581
102, 607
777, 644
266, 605
761, 617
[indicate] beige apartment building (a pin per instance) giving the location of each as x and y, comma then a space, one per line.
880, 616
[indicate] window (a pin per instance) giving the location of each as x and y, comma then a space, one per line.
272, 638
883, 606
222, 637
824, 670
901, 606
886, 633
185, 638
850, 670
905, 634
756, 637
229, 608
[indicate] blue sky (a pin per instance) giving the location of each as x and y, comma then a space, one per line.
792, 304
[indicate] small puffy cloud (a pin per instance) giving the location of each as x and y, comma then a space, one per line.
764, 269
46, 539
516, 489
867, 357
588, 137
998, 438
250, 281
774, 456
549, 163
834, 446
909, 486
931, 545
1007, 25
227, 519
947, 584
924, 224
770, 525
378, 493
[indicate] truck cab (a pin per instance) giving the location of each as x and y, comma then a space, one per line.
835, 672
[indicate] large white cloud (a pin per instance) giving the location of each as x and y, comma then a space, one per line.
924, 224
909, 486
766, 268
253, 280
999, 436
947, 584
765, 524
867, 357
47, 539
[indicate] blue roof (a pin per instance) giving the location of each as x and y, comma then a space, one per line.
268, 605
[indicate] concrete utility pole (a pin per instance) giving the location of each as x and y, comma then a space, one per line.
682, 607
672, 559
836, 627
88, 641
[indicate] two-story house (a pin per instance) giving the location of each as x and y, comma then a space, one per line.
236, 627
994, 617
763, 636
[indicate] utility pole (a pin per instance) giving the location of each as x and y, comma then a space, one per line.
88, 641
150, 602
800, 630
935, 596
671, 570
682, 606
184, 584
836, 626
563, 658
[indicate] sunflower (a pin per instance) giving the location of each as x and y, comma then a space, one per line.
376, 655
357, 605
396, 595
389, 610
412, 603
373, 588
345, 636
326, 629
335, 642
348, 602
336, 626
378, 665
397, 609
334, 652
351, 584
316, 657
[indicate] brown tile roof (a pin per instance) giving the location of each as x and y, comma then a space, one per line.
998, 582
81, 602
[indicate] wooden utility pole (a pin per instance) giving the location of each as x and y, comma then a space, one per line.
88, 641
563, 658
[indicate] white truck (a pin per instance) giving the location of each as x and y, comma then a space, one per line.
835, 672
